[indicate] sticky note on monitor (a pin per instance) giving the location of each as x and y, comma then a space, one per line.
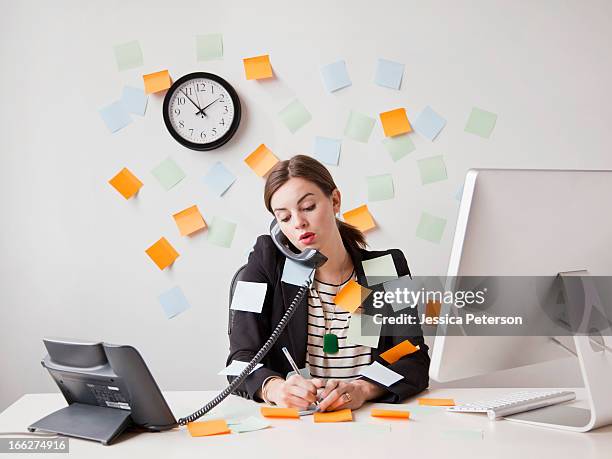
258, 67
389, 74
379, 269
381, 374
209, 47
128, 55
207, 428
221, 232
261, 160
157, 81
168, 173
428, 123
395, 122
173, 302
249, 296
359, 127
380, 187
162, 253
351, 296
295, 273
335, 76
399, 146
481, 122
134, 100
398, 351
327, 150
345, 415
115, 116
430, 227
189, 221
218, 179
236, 367
432, 169
363, 331
360, 217
126, 183
294, 116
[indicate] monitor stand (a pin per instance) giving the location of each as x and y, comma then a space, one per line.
595, 364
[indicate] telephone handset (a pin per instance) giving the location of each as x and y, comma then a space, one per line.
309, 257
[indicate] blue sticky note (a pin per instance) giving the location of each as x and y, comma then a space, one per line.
327, 150
115, 116
389, 74
218, 178
295, 273
335, 76
428, 123
134, 100
173, 302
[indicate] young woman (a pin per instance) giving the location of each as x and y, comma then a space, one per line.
304, 199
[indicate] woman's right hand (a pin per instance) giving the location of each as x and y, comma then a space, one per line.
294, 392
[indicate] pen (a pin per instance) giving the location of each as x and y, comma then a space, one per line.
295, 368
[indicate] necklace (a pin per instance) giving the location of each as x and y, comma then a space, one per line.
330, 340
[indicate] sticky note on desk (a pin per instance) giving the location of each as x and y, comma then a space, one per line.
428, 123
250, 424
389, 74
481, 122
430, 227
351, 296
379, 270
398, 351
432, 169
258, 67
168, 173
218, 179
249, 296
396, 414
115, 116
221, 232
128, 55
381, 374
345, 415
270, 412
380, 187
206, 428
294, 116
261, 160
359, 127
363, 331
395, 122
189, 221
162, 253
236, 367
209, 46
157, 81
126, 183
335, 76
436, 402
173, 302
134, 100
360, 217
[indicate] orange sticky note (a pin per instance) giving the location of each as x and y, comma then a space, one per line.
261, 160
432, 309
162, 253
397, 352
351, 296
397, 414
269, 412
360, 217
334, 416
205, 428
158, 81
189, 220
256, 68
126, 183
395, 122
437, 401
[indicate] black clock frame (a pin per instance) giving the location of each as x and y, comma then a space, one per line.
225, 137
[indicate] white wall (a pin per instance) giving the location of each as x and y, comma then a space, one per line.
73, 261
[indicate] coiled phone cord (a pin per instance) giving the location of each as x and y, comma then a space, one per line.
255, 360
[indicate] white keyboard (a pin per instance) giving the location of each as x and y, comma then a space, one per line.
516, 402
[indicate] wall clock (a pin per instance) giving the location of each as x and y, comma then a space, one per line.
201, 111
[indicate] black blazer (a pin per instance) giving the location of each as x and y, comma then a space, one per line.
251, 330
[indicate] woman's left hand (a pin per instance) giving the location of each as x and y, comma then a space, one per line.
338, 395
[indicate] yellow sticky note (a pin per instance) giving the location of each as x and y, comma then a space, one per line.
261, 160
205, 428
351, 296
189, 220
360, 217
162, 253
256, 68
397, 352
334, 416
126, 183
395, 122
269, 412
397, 414
437, 401
158, 81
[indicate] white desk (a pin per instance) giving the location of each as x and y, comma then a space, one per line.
429, 433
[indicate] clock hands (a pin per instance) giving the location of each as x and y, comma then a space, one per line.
196, 105
198, 99
204, 108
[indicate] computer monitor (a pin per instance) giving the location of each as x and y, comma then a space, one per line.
527, 223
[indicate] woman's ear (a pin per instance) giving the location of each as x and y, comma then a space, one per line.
336, 200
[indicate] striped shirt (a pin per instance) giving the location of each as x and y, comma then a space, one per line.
350, 358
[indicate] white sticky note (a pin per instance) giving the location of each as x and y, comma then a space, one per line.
249, 296
295, 273
249, 424
381, 374
135, 100
389, 74
363, 330
236, 367
428, 123
327, 150
379, 269
335, 76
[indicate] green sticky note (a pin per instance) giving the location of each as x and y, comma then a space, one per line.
209, 47
128, 55
294, 116
249, 424
481, 122
430, 227
363, 330
432, 169
221, 232
168, 173
359, 127
399, 146
380, 187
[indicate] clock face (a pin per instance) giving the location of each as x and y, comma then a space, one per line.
201, 111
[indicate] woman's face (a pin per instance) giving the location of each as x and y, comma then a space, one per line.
305, 215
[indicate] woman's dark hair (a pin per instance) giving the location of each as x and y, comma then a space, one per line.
312, 170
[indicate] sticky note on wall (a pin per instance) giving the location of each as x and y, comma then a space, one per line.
126, 183
162, 253
209, 47
360, 217
128, 55
174, 302
156, 82
395, 122
261, 160
258, 67
189, 220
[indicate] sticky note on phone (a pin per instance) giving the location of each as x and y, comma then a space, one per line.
270, 412
345, 415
